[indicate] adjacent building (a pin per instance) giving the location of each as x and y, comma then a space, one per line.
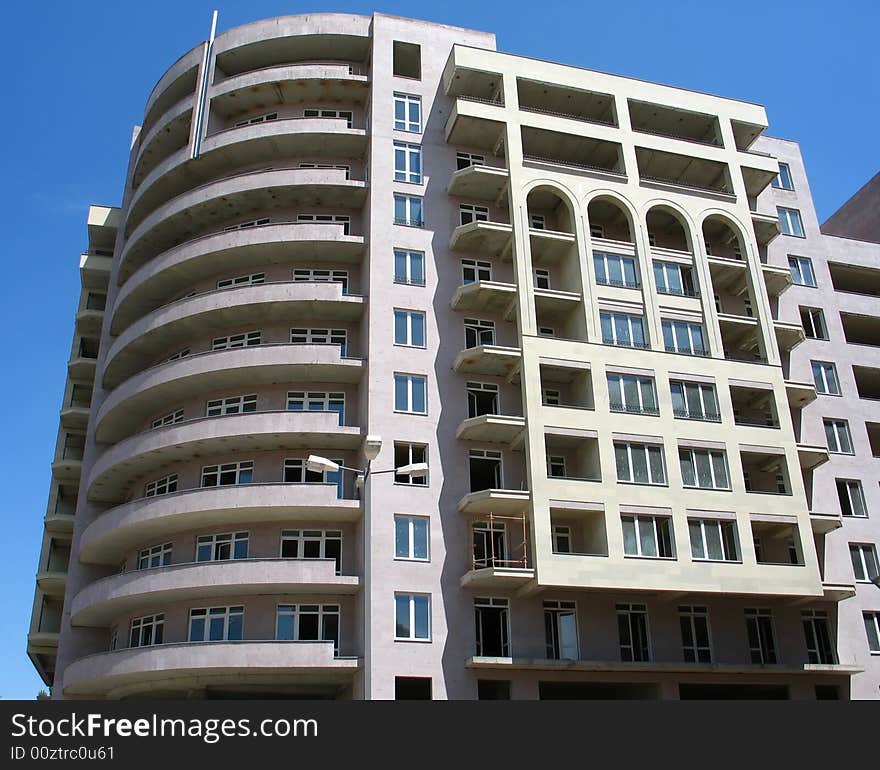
413, 369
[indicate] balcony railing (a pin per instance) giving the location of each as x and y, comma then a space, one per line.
684, 292
568, 115
572, 164
739, 355
688, 352
684, 414
409, 222
621, 344
619, 284
497, 101
634, 409
756, 422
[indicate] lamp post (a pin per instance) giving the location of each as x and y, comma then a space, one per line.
318, 464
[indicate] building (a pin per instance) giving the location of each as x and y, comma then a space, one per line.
546, 307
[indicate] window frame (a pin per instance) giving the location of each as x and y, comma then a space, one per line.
725, 540
825, 367
410, 170
789, 217
408, 278
867, 558
409, 317
411, 460
691, 452
653, 521
411, 380
239, 467
410, 521
409, 204
796, 265
407, 124
839, 429
412, 622
700, 653
633, 447
229, 613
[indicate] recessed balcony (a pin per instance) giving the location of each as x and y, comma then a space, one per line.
552, 304
171, 326
572, 151
480, 183
855, 279
52, 582
166, 136
565, 102
258, 431
492, 297
737, 331
861, 329
119, 530
684, 172
148, 392
491, 428
674, 123
776, 279
100, 602
478, 123
867, 381
179, 668
488, 239
504, 502
728, 275
493, 360
548, 247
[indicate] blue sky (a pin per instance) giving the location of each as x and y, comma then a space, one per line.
78, 74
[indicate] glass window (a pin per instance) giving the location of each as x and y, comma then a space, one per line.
632, 394
345, 115
694, 401
244, 340
473, 270
478, 332
468, 213
615, 270
632, 626
326, 219
308, 623
467, 159
296, 472
408, 210
623, 330
409, 267
169, 419
156, 556
411, 537
790, 221
639, 463
695, 642
759, 628
314, 275
825, 377
410, 454
408, 113
317, 401
228, 474
229, 545
164, 486
147, 630
560, 628
409, 328
713, 539
813, 323
647, 536
410, 393
864, 561
216, 624
683, 337
412, 616
851, 497
782, 181
801, 269
304, 336
838, 437
242, 280
232, 405
675, 278
872, 629
703, 468
312, 544
407, 163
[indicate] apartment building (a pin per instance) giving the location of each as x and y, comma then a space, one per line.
428, 371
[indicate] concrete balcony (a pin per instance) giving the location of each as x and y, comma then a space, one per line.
491, 297
75, 417
52, 582
766, 227
553, 303
229, 251
94, 271
549, 246
42, 649
240, 149
169, 133
501, 578
823, 523
88, 322
67, 468
838, 592
254, 432
82, 368
491, 428
115, 533
195, 211
179, 668
59, 523
169, 327
800, 393
100, 602
493, 360
811, 456
788, 335
146, 393
487, 239
776, 279
503, 502
476, 122
738, 331
728, 275
480, 183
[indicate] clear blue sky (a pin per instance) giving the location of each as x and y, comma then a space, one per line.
77, 76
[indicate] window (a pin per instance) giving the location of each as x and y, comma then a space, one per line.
245, 225
242, 280
410, 393
632, 394
647, 536
851, 497
468, 213
164, 486
551, 397
322, 276
169, 419
482, 398
321, 337
759, 629
864, 561
229, 545
492, 618
232, 405
683, 337
308, 623
412, 616
317, 401
546, 331
156, 556
872, 629
624, 330
695, 644
560, 630
228, 474
838, 437
411, 537
216, 624
694, 401
713, 539
147, 630
813, 322
555, 467
703, 468
675, 278
639, 463
327, 219
178, 355
473, 270
817, 634
490, 544
295, 472
408, 210
478, 332
407, 163
406, 60
825, 377
409, 328
243, 340
312, 544
467, 159
410, 454
485, 469
802, 271
409, 267
615, 270
790, 221
561, 538
408, 113
345, 115
258, 119
782, 181
632, 626
541, 278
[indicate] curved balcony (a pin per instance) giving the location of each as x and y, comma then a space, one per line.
247, 306
100, 602
226, 152
148, 392
253, 432
178, 81
165, 276
113, 534
178, 668
216, 202
169, 133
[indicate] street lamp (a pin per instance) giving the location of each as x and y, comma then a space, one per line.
372, 447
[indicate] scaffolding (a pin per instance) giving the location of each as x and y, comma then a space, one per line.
490, 559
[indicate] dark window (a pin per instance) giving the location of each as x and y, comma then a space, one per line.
412, 688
